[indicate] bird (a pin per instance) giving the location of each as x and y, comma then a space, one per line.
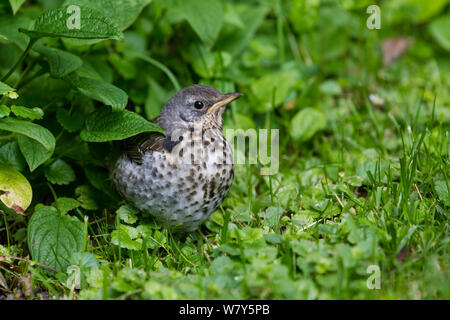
182, 176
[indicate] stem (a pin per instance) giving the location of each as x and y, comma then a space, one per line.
280, 34
26, 81
29, 67
24, 54
7, 137
27, 260
160, 66
52, 190
7, 231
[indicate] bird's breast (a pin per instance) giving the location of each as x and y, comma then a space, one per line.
184, 185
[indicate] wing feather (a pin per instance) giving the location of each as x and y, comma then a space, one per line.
135, 147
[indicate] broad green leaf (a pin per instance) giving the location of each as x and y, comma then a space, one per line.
306, 123
420, 10
127, 214
272, 216
88, 197
63, 22
101, 91
330, 87
236, 39
243, 122
72, 122
157, 96
440, 30
203, 60
59, 172
4, 88
273, 238
85, 260
125, 68
53, 237
106, 125
31, 130
27, 113
34, 152
15, 190
126, 237
87, 70
9, 29
4, 111
15, 5
204, 16
278, 83
65, 204
301, 9
122, 12
10, 154
61, 62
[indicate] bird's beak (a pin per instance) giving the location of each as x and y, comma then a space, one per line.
226, 99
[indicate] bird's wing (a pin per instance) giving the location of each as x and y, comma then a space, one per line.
135, 147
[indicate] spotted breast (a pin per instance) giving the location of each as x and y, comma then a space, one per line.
179, 183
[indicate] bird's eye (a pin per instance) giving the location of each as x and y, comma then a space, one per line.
198, 104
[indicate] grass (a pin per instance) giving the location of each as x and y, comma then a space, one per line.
367, 191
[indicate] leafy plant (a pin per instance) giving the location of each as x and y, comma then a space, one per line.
364, 150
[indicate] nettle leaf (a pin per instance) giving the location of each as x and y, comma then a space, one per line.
306, 123
122, 12
27, 113
4, 111
15, 190
53, 238
61, 63
104, 125
101, 91
74, 22
204, 16
15, 5
34, 152
59, 172
72, 122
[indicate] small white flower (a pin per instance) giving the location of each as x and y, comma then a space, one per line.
376, 99
12, 95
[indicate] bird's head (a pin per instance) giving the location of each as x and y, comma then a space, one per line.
195, 105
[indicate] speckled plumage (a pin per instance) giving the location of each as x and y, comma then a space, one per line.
183, 180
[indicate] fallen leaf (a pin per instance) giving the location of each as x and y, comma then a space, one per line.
394, 48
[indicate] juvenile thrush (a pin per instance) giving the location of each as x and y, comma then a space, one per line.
180, 178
